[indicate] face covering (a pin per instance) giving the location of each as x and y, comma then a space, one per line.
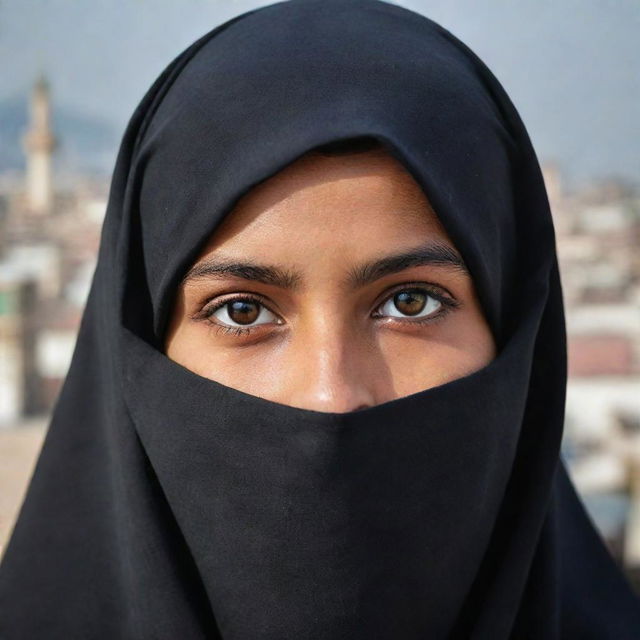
168, 505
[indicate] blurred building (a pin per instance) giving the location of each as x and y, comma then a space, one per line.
598, 234
48, 246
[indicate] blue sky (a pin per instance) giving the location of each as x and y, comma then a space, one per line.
572, 67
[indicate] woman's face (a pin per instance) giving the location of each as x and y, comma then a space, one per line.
331, 286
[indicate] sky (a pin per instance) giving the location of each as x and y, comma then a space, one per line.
571, 67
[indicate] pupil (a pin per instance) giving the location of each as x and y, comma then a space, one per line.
410, 302
243, 311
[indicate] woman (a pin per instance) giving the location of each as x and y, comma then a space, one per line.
341, 470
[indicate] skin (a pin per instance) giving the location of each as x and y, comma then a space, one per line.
330, 345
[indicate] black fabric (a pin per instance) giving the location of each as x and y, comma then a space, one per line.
167, 505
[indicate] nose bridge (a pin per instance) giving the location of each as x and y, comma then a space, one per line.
334, 365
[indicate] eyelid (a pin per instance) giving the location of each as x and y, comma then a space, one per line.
440, 293
239, 295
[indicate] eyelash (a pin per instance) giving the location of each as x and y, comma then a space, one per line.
448, 305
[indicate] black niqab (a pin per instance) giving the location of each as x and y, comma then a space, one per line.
167, 505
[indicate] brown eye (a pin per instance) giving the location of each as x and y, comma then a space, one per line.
412, 303
241, 312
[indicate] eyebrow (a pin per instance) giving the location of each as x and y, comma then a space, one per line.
433, 255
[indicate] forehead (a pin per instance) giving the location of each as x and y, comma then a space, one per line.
369, 194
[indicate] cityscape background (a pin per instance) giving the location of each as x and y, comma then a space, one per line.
73, 74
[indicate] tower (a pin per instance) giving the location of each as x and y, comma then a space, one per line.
39, 143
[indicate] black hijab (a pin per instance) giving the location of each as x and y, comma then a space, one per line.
167, 505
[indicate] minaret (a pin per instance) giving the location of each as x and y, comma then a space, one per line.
39, 143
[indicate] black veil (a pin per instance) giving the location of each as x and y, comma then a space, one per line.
167, 505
